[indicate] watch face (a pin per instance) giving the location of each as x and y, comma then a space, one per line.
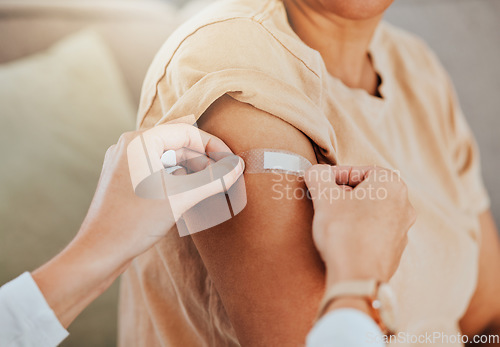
388, 307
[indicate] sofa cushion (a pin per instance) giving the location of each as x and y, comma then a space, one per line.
133, 29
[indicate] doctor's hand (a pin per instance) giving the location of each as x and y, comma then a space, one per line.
121, 225
132, 223
361, 219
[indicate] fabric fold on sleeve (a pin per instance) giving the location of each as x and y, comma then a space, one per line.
202, 69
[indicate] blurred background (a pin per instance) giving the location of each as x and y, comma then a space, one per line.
70, 78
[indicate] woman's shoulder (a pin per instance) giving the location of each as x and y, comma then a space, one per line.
233, 34
235, 46
238, 17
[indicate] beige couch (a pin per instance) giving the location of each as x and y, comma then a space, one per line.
134, 30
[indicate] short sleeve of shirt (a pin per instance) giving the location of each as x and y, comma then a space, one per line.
238, 57
466, 158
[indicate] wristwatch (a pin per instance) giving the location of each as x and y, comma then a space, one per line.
379, 297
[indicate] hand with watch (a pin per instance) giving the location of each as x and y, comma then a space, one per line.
361, 236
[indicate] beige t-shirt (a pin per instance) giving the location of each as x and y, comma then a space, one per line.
246, 49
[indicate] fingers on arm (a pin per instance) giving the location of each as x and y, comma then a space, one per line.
179, 135
145, 148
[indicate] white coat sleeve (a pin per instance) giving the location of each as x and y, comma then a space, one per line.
25, 317
345, 328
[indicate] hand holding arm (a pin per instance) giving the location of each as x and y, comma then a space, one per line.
372, 217
363, 240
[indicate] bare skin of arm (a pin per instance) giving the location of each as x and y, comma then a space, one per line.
263, 262
483, 314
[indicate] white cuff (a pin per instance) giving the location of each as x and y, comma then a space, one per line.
345, 327
25, 317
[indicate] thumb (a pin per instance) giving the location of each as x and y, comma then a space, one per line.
320, 180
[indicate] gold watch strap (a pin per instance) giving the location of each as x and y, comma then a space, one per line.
359, 288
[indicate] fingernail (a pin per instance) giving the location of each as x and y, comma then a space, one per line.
242, 164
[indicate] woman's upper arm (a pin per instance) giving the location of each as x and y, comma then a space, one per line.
263, 261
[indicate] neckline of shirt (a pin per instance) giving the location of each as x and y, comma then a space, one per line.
375, 103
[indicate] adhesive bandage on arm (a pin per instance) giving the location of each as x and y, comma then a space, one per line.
200, 174
221, 207
265, 160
